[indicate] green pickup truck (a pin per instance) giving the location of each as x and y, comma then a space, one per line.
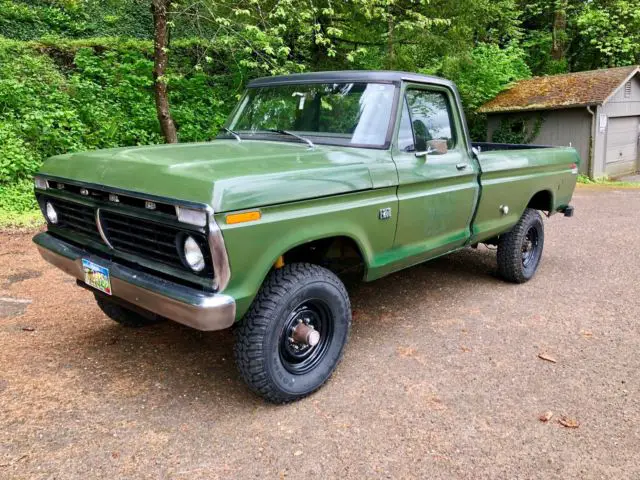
315, 178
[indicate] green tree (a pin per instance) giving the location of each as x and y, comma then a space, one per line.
481, 74
575, 35
608, 34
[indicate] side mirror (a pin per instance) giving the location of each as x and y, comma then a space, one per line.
438, 147
426, 152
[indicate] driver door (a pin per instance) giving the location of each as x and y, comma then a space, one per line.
438, 185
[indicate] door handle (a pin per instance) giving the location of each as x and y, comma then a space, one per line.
462, 166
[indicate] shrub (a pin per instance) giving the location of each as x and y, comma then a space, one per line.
17, 197
59, 96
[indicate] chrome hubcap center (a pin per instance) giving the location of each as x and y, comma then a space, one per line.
304, 334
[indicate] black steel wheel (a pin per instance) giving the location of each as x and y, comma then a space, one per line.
293, 337
520, 250
530, 250
299, 357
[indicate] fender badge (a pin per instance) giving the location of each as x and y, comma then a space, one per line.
384, 213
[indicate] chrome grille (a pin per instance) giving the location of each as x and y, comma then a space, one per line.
146, 238
154, 237
76, 216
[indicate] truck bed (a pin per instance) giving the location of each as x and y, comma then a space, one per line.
514, 177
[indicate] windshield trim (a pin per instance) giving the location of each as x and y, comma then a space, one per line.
323, 140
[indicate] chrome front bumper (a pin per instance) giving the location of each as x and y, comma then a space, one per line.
189, 306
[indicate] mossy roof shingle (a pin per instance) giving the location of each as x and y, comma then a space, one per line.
559, 91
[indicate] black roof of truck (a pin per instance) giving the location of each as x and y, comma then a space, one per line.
355, 76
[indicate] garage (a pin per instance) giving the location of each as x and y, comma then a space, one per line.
622, 145
595, 112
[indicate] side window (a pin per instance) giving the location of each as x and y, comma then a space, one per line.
427, 115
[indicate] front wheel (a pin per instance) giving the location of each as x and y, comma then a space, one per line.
520, 250
293, 337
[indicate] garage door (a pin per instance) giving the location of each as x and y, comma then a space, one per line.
622, 145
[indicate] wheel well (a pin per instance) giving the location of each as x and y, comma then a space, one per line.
341, 255
542, 200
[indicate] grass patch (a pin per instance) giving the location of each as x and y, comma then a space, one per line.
24, 220
606, 182
18, 206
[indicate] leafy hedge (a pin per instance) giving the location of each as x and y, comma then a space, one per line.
33, 19
65, 96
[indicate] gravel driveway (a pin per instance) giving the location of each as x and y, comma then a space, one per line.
442, 377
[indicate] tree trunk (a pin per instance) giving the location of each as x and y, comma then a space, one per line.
559, 30
391, 53
160, 58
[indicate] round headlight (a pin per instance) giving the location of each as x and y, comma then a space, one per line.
193, 255
51, 213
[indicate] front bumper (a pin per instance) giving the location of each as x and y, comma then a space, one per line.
189, 306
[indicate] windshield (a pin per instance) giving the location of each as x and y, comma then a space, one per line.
355, 114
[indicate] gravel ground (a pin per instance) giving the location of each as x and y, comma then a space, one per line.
442, 377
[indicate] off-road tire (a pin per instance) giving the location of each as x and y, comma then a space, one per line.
511, 248
261, 335
125, 316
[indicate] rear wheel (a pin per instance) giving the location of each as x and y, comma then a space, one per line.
293, 337
125, 316
520, 250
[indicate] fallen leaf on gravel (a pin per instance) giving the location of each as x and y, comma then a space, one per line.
546, 357
297, 453
28, 329
406, 351
568, 422
464, 348
586, 334
546, 416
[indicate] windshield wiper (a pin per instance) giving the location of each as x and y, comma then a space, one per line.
231, 132
287, 132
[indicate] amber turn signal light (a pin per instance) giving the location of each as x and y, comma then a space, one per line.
243, 217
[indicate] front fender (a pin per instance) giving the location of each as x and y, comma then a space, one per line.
253, 247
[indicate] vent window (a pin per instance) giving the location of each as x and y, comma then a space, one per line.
627, 90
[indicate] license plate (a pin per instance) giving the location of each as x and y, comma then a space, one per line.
96, 276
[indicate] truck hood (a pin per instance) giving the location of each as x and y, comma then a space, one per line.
226, 174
